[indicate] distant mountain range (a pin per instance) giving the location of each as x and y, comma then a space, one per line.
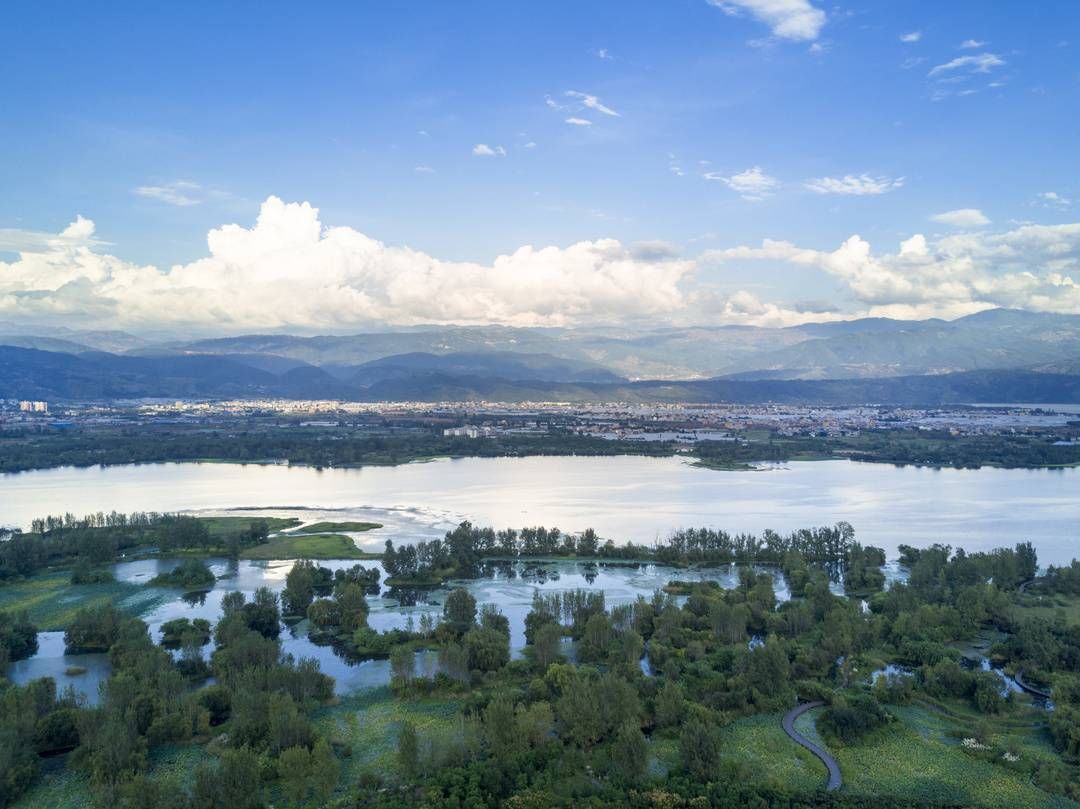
999, 355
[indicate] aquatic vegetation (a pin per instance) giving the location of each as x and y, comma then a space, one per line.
52, 601
757, 751
307, 546
365, 727
899, 761
337, 527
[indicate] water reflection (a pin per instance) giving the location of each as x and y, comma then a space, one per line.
85, 673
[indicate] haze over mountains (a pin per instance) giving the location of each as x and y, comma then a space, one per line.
998, 355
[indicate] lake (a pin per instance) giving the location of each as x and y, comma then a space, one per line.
624, 498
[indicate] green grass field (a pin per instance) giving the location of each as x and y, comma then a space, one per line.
1049, 607
219, 526
52, 601
913, 759
946, 721
758, 747
308, 546
331, 527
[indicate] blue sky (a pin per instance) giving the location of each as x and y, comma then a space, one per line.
710, 128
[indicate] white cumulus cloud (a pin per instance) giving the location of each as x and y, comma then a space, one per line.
911, 36
483, 150
962, 218
290, 270
797, 20
1032, 267
753, 184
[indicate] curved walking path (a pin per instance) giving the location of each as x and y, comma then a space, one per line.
835, 780
1031, 689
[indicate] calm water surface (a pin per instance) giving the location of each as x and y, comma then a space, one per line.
625, 498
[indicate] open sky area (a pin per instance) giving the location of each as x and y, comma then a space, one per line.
266, 165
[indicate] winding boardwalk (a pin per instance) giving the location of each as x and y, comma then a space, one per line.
835, 780
1031, 689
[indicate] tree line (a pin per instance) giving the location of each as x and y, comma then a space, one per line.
99, 539
460, 551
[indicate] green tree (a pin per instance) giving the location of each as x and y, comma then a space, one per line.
629, 752
596, 639
232, 781
409, 750
545, 649
699, 748
353, 607
294, 770
325, 771
487, 649
670, 705
501, 728
460, 610
324, 613
767, 667
299, 587
403, 664
288, 727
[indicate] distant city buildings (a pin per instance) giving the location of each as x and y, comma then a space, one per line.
468, 431
680, 423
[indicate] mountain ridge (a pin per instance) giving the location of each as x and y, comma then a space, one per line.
94, 376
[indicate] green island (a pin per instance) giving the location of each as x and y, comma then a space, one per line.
307, 546
189, 574
673, 700
337, 527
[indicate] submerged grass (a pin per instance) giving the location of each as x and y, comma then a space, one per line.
367, 726
63, 787
52, 600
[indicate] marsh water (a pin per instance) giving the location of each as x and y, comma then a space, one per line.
510, 586
625, 498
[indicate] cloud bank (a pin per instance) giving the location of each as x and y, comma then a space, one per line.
289, 270
1032, 267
